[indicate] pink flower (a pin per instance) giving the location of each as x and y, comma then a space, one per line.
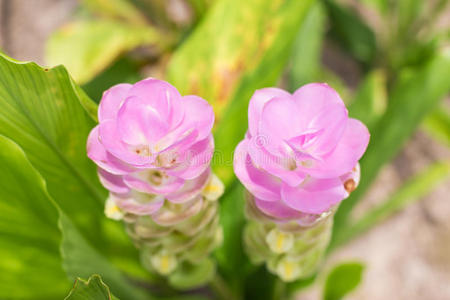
299, 151
151, 140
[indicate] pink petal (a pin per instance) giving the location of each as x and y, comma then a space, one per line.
198, 114
111, 101
131, 205
191, 188
275, 165
333, 122
314, 197
195, 159
277, 209
140, 181
280, 121
140, 123
345, 156
114, 183
96, 151
110, 139
314, 98
257, 102
163, 97
261, 184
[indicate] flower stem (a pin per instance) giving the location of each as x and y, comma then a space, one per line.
222, 289
279, 290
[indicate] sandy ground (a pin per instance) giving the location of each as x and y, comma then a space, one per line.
407, 257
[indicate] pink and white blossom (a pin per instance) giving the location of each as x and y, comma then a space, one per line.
151, 144
301, 152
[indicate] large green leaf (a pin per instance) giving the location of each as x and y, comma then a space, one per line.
40, 110
92, 289
44, 112
87, 47
80, 259
30, 240
30, 264
343, 279
413, 96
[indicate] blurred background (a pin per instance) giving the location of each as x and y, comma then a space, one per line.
376, 53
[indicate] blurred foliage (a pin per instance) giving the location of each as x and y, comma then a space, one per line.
409, 102
437, 124
87, 47
122, 10
124, 70
343, 279
221, 50
351, 32
306, 54
370, 101
412, 190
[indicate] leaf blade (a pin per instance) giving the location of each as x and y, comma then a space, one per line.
343, 279
92, 289
87, 47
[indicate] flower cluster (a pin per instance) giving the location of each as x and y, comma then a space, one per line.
153, 149
298, 160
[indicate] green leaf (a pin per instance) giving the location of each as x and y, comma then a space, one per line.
306, 55
32, 247
43, 111
408, 12
351, 32
80, 259
30, 264
413, 190
116, 9
343, 279
413, 96
87, 47
437, 124
370, 101
215, 70
228, 68
200, 6
40, 110
93, 289
381, 6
